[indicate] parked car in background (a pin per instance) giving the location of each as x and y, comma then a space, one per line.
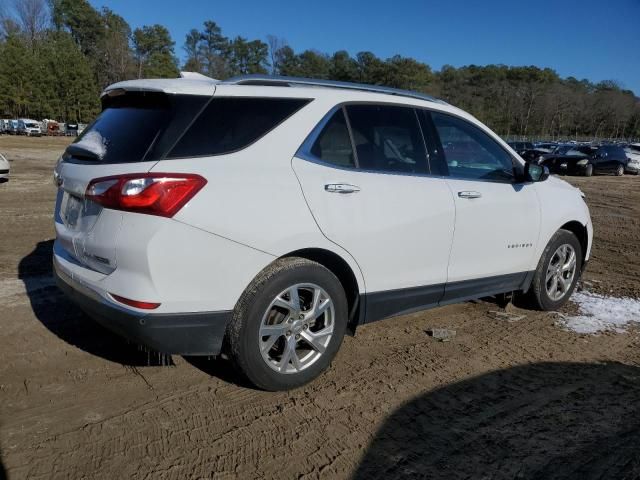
53, 128
266, 216
545, 146
534, 155
587, 160
28, 127
4, 168
71, 129
633, 155
12, 127
521, 147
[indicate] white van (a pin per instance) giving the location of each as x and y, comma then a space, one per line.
30, 128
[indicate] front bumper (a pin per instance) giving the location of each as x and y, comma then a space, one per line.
199, 333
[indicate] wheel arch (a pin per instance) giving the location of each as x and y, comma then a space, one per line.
581, 232
345, 274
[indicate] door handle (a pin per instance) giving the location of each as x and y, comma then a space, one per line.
469, 194
341, 188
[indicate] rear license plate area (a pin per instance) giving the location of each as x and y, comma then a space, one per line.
71, 210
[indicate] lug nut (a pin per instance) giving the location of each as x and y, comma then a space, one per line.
305, 326
290, 320
301, 316
297, 337
288, 333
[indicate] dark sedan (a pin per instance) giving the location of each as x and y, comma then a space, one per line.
521, 147
587, 160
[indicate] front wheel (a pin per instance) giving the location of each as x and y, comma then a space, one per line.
620, 170
557, 272
588, 171
288, 324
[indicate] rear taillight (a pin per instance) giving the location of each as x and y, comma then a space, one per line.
135, 303
160, 194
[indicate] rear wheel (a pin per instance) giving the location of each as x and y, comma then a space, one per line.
588, 171
288, 325
620, 170
557, 273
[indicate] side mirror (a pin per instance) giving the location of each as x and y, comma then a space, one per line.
535, 173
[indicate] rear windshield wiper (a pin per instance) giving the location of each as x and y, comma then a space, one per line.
83, 153
91, 146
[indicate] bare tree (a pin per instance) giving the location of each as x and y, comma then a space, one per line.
32, 16
8, 25
275, 45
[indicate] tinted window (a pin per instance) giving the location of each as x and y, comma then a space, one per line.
615, 152
134, 127
575, 151
387, 138
229, 124
471, 153
333, 144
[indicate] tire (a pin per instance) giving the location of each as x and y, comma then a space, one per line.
285, 359
588, 171
620, 171
541, 292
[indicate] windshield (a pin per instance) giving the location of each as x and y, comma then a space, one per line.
32, 125
562, 149
581, 151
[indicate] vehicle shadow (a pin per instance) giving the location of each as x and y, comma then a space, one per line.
64, 319
3, 472
221, 369
539, 421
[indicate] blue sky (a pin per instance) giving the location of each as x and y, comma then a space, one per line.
597, 40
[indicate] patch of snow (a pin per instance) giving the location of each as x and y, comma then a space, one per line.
600, 313
94, 142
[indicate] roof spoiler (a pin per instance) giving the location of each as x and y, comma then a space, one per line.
197, 76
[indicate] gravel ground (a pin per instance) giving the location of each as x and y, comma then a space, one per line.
502, 399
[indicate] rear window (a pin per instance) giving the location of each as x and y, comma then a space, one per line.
135, 127
229, 124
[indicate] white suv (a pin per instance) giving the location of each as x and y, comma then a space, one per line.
263, 217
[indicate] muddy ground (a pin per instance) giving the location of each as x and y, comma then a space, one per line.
501, 400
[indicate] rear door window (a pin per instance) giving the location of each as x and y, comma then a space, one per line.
229, 124
387, 139
334, 144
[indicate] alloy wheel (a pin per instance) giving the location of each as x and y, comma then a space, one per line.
560, 272
296, 328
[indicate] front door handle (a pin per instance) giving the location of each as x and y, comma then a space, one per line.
341, 188
469, 194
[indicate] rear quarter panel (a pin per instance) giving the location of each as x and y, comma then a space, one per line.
253, 197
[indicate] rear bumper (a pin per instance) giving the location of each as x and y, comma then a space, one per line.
199, 333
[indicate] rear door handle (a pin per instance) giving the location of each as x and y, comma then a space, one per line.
341, 188
469, 194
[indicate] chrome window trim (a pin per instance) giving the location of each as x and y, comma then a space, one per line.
304, 151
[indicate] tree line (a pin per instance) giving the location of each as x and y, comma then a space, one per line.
57, 55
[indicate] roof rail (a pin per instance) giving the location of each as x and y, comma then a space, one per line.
279, 80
